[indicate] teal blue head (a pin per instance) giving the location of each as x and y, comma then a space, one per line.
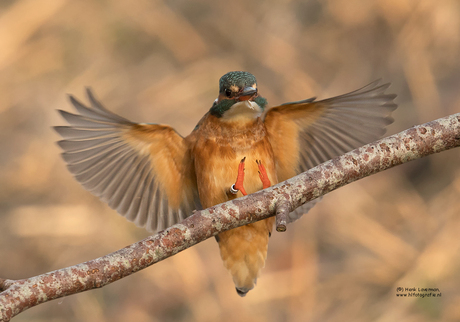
238, 95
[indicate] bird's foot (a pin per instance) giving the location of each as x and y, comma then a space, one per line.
238, 186
263, 175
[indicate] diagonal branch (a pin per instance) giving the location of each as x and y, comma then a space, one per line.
414, 143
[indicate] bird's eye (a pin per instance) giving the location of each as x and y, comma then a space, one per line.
228, 93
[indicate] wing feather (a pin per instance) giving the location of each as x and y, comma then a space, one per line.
325, 129
141, 170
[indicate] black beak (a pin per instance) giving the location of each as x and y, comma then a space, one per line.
247, 93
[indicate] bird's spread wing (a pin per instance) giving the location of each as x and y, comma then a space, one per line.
307, 133
141, 170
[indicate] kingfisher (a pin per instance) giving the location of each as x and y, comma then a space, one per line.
155, 177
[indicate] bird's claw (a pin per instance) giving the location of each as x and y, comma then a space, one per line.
263, 175
238, 186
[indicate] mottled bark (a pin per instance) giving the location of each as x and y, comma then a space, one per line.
414, 143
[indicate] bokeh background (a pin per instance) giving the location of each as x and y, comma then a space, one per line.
160, 61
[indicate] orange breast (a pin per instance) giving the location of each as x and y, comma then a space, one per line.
217, 152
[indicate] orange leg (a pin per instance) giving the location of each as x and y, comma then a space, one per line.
239, 180
263, 175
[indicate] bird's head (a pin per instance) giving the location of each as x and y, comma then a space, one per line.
238, 96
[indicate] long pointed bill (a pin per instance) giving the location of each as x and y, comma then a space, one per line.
247, 93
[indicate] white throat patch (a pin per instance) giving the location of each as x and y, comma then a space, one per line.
244, 109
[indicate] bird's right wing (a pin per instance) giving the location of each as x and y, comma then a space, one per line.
141, 170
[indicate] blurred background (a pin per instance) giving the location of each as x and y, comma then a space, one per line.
160, 61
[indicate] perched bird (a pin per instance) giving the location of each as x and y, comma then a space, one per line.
155, 177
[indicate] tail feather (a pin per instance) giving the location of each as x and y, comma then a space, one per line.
244, 251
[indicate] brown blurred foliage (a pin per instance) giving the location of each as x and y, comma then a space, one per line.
160, 61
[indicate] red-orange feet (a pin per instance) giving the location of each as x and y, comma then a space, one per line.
239, 180
263, 175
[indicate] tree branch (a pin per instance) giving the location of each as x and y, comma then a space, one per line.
279, 200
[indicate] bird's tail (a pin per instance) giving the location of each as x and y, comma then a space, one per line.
244, 251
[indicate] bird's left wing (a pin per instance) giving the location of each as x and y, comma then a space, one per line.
307, 133
141, 170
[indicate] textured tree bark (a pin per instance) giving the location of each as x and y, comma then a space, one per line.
414, 143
